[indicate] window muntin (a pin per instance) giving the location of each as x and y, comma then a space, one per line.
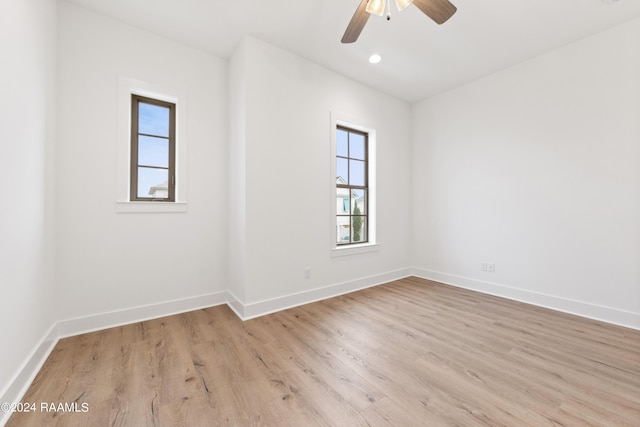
352, 225
152, 149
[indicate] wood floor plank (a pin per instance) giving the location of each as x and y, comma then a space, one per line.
410, 352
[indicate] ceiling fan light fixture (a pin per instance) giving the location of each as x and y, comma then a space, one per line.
401, 4
438, 11
376, 7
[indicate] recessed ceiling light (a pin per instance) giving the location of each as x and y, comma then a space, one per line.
375, 58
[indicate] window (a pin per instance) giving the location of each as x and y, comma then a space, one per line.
352, 186
126, 194
153, 149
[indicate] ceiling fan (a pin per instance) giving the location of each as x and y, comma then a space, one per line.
438, 10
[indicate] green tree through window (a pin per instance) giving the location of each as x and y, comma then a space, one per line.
357, 223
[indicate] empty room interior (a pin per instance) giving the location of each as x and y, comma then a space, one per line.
447, 234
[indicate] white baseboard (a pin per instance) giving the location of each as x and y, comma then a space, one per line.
26, 374
96, 322
579, 308
235, 305
261, 308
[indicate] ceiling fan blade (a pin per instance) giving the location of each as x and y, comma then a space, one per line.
438, 10
356, 24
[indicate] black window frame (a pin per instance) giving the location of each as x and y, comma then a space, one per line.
350, 187
136, 100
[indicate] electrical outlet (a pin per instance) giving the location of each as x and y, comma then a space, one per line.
491, 268
307, 273
483, 266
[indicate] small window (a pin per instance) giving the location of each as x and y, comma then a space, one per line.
352, 186
153, 148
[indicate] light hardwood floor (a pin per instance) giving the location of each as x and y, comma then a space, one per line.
408, 353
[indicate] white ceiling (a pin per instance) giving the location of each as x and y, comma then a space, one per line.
420, 58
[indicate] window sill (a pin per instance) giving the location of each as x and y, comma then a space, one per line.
150, 207
354, 249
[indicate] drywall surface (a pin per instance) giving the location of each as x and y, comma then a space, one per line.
288, 102
27, 134
237, 173
107, 260
536, 170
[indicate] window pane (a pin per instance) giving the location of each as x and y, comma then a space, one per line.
343, 229
358, 198
153, 151
153, 119
342, 201
356, 146
153, 183
342, 170
356, 172
342, 143
359, 229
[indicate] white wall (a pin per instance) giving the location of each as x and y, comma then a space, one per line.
108, 261
27, 131
287, 106
237, 173
537, 169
